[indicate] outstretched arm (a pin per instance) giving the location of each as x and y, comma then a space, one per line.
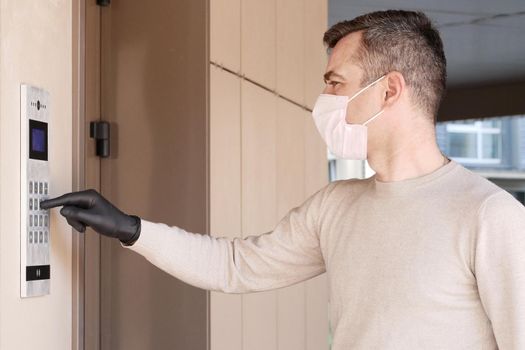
287, 255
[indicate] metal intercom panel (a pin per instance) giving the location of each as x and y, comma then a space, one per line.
35, 269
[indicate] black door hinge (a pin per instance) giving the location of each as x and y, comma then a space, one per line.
100, 132
103, 2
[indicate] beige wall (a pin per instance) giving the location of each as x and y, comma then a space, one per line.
35, 48
265, 157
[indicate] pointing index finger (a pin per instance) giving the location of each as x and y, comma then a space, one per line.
80, 199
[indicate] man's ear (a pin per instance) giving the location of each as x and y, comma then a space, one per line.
395, 86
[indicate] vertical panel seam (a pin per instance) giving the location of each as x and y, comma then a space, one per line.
305, 154
240, 82
207, 160
241, 130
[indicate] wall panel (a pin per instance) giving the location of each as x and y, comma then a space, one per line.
225, 33
290, 44
258, 28
316, 170
258, 204
225, 197
315, 19
290, 193
282, 157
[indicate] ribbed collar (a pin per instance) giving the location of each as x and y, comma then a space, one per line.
408, 185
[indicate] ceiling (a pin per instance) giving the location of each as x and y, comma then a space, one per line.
484, 40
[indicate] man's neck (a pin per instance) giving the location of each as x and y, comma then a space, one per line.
407, 161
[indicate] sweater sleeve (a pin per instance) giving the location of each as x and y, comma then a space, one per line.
500, 267
287, 255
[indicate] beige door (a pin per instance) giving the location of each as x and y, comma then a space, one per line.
151, 58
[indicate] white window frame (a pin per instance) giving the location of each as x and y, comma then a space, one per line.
479, 130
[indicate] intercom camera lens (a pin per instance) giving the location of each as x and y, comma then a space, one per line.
38, 105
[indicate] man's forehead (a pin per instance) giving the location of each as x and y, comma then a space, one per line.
342, 55
346, 47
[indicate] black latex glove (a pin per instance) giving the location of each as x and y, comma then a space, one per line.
90, 208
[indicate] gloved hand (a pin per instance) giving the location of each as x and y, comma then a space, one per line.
90, 208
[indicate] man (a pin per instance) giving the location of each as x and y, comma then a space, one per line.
425, 254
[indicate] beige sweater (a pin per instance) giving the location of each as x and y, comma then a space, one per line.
433, 262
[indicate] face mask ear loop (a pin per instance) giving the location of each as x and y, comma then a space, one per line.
381, 111
366, 87
376, 115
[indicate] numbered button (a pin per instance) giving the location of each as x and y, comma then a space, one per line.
30, 187
40, 188
46, 237
30, 236
30, 203
46, 220
46, 188
40, 237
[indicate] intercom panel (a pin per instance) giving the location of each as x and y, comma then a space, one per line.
35, 269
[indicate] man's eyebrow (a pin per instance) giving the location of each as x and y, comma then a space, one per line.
331, 73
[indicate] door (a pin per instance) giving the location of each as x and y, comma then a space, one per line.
146, 74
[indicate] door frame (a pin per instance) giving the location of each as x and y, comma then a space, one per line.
78, 105
86, 171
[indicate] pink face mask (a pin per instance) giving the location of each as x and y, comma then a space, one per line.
344, 140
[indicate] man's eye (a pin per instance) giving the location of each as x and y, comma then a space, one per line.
331, 82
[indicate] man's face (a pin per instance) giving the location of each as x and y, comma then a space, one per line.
342, 77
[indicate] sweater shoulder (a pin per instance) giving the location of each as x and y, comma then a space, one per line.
340, 189
470, 184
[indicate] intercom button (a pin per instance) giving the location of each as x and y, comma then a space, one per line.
40, 237
45, 187
46, 236
30, 236
30, 203
30, 187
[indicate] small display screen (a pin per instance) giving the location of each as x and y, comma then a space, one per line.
37, 140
